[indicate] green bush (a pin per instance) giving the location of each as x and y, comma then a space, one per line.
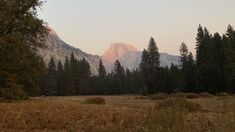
179, 104
159, 96
95, 100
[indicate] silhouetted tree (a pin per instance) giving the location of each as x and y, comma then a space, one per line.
204, 62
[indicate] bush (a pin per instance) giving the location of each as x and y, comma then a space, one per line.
178, 95
141, 97
186, 95
179, 104
167, 120
206, 95
223, 94
14, 93
10, 89
95, 100
159, 96
192, 95
144, 90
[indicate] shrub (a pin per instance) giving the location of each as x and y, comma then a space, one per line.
179, 104
167, 120
144, 90
10, 88
159, 96
95, 100
186, 95
192, 95
206, 95
141, 97
178, 95
13, 91
223, 94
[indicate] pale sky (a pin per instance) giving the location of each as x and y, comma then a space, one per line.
92, 25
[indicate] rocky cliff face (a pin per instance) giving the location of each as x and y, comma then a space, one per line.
130, 57
58, 49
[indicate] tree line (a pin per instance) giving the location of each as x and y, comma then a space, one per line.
23, 72
212, 71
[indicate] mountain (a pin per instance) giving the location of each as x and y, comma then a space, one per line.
58, 49
130, 57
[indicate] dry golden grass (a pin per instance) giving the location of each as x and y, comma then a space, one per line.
120, 113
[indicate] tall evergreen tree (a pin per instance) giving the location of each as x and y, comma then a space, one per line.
176, 79
219, 61
153, 55
102, 78
60, 76
67, 77
119, 74
101, 71
144, 66
21, 32
74, 76
204, 62
189, 74
51, 84
229, 42
84, 74
21, 19
184, 55
150, 66
187, 68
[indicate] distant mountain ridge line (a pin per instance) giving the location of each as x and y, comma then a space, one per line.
128, 55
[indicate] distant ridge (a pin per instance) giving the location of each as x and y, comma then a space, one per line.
128, 55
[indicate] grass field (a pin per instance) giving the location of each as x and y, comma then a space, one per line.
120, 113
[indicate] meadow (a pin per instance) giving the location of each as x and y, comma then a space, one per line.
125, 113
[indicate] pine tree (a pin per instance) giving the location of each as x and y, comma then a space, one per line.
229, 43
21, 19
74, 76
144, 66
153, 55
102, 78
219, 61
176, 79
150, 66
187, 68
60, 76
119, 74
21, 32
51, 85
102, 71
204, 62
84, 74
190, 74
67, 77
128, 82
184, 55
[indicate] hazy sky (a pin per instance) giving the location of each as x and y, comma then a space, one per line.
92, 25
